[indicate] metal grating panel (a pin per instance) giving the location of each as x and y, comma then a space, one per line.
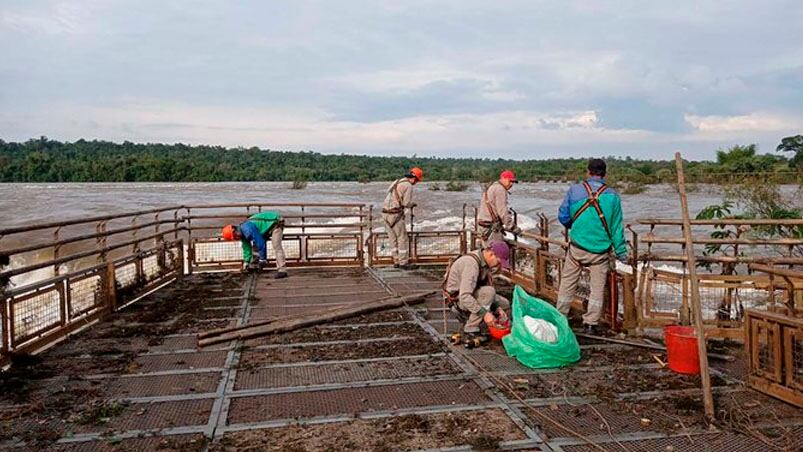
156, 415
719, 442
354, 400
180, 361
184, 443
342, 373
582, 418
160, 385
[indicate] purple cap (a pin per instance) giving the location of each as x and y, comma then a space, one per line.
502, 253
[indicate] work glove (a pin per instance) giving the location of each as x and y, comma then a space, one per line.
489, 318
622, 258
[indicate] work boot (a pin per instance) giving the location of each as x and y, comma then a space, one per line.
472, 340
593, 330
281, 275
408, 266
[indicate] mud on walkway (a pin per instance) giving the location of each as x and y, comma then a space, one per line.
384, 381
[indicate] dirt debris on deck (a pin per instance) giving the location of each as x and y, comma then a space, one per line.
482, 430
57, 401
360, 350
47, 396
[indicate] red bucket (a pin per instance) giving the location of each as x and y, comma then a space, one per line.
681, 349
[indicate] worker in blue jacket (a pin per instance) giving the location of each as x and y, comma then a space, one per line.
592, 212
253, 232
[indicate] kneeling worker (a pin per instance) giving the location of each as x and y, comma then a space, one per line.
254, 231
468, 290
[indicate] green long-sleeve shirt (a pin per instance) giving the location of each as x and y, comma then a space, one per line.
255, 230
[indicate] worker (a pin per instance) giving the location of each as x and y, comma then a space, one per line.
400, 197
469, 292
592, 212
494, 216
254, 232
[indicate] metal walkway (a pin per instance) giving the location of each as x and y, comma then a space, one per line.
382, 381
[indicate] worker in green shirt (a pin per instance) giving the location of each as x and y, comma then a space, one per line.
254, 232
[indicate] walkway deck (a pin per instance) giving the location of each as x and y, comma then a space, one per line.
385, 381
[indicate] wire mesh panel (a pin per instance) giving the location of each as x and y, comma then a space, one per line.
382, 248
793, 345
212, 250
85, 294
151, 268
775, 354
36, 313
126, 275
437, 245
291, 247
333, 248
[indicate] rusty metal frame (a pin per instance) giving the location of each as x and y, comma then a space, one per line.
782, 380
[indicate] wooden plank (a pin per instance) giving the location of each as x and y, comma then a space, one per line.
708, 398
283, 326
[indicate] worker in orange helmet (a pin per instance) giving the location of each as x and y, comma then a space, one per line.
253, 232
400, 197
494, 216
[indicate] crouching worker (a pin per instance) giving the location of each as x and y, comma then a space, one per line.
469, 292
254, 232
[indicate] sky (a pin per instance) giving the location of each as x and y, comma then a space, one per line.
498, 79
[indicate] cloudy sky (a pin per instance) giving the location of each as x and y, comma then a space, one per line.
518, 79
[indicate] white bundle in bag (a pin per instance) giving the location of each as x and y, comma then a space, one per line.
541, 329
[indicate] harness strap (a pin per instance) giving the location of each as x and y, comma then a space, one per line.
450, 298
593, 201
494, 216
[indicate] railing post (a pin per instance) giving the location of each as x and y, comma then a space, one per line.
56, 249
369, 241
135, 246
111, 288
360, 249
190, 245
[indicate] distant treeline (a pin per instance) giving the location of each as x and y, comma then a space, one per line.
44, 160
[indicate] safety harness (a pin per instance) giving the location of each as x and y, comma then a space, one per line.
451, 298
593, 201
400, 208
496, 223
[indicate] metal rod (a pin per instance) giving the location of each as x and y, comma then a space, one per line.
708, 397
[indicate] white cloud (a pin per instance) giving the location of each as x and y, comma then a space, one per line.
759, 122
61, 18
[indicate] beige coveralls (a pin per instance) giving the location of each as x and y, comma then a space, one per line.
469, 280
399, 197
494, 215
573, 264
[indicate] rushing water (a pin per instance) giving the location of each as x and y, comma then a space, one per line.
23, 204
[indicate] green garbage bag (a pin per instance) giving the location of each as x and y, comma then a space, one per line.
531, 352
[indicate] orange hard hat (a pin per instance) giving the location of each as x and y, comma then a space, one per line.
228, 232
417, 173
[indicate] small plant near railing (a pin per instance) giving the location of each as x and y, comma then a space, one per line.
435, 186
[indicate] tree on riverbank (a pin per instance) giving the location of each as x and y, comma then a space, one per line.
45, 160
